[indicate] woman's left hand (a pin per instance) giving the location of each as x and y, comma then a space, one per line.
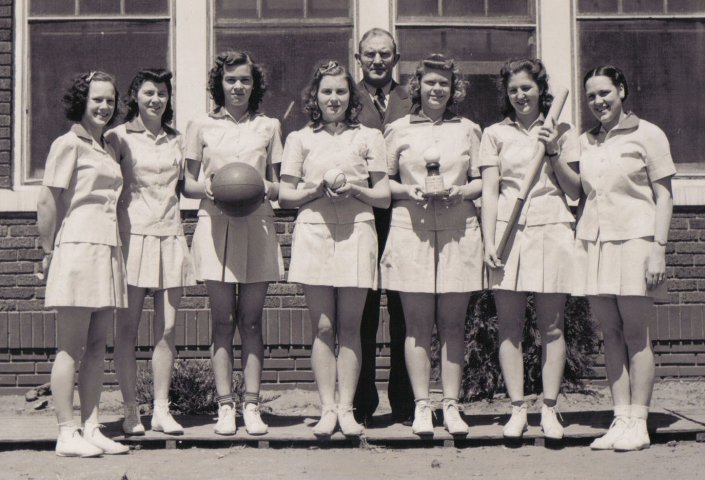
656, 266
549, 137
346, 191
454, 195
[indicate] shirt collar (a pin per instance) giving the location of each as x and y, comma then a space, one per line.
420, 117
317, 127
81, 132
629, 122
509, 120
136, 125
222, 112
373, 90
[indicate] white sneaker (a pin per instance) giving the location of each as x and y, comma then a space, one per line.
226, 420
162, 421
132, 425
423, 419
452, 420
517, 424
347, 422
326, 425
92, 434
72, 444
253, 421
550, 425
619, 425
636, 437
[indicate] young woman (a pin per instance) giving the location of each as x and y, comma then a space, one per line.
237, 257
153, 240
334, 249
625, 164
83, 263
433, 255
538, 256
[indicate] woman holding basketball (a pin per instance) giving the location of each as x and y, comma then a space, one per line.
237, 257
156, 254
83, 263
433, 255
538, 255
334, 247
626, 164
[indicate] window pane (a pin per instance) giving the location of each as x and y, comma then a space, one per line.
282, 8
661, 86
407, 8
236, 8
288, 56
686, 6
643, 6
598, 6
58, 51
52, 7
479, 52
510, 7
328, 8
94, 7
136, 7
458, 8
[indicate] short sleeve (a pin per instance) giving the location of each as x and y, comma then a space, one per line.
489, 152
275, 149
113, 138
474, 137
659, 163
390, 140
179, 146
569, 143
376, 152
61, 162
293, 156
193, 145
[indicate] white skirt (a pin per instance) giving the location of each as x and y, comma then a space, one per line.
157, 262
334, 255
86, 275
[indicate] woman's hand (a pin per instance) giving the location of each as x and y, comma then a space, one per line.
415, 193
271, 190
207, 186
46, 262
491, 258
340, 193
656, 266
454, 196
549, 137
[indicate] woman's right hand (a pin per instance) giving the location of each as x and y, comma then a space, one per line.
46, 262
416, 193
492, 260
207, 185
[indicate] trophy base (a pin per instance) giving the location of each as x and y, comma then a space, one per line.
436, 194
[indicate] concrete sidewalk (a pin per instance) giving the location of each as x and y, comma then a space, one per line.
39, 431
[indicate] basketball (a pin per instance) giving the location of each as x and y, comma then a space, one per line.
334, 179
238, 189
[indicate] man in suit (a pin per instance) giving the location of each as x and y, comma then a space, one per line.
383, 101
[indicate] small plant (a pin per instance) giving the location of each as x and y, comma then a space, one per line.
192, 390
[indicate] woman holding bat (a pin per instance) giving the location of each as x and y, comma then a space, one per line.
626, 169
537, 251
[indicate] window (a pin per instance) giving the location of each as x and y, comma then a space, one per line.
287, 37
479, 34
660, 46
65, 37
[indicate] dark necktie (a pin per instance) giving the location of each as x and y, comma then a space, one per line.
380, 102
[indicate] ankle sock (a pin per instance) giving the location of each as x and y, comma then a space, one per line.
226, 399
549, 402
639, 411
519, 403
251, 397
622, 410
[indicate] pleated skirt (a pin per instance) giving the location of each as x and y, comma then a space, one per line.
334, 255
87, 275
237, 249
157, 262
432, 261
539, 259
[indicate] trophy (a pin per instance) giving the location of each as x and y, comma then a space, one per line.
434, 180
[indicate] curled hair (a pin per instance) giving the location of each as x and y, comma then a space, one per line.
155, 75
75, 98
537, 72
233, 58
613, 73
437, 61
309, 95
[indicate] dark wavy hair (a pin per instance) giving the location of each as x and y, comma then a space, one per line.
75, 98
437, 61
310, 93
613, 73
155, 75
536, 70
233, 58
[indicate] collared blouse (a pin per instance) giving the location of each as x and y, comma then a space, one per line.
310, 152
217, 139
458, 140
151, 168
90, 179
509, 147
617, 169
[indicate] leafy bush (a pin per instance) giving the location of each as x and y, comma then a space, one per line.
192, 390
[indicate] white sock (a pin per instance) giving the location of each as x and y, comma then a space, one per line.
639, 411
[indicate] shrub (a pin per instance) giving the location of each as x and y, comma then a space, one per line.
192, 389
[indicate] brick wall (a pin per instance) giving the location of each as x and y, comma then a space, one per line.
5, 93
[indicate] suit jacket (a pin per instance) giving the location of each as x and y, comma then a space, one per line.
399, 104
